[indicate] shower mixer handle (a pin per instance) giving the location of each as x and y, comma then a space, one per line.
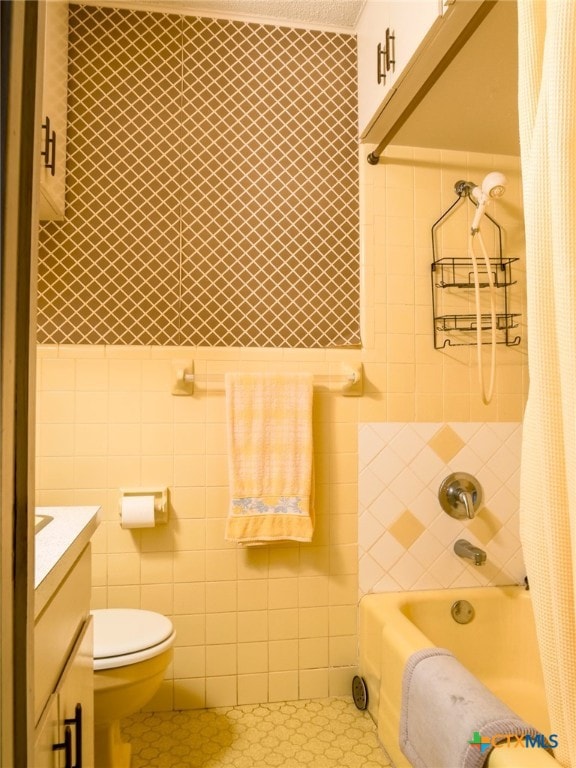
460, 495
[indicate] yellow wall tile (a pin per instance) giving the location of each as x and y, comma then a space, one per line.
283, 624
221, 596
252, 688
252, 626
343, 651
156, 568
189, 598
221, 660
221, 628
190, 693
221, 565
56, 374
189, 662
313, 652
252, 658
123, 569
313, 683
123, 596
283, 593
313, 622
189, 566
157, 597
312, 591
283, 655
190, 630
283, 686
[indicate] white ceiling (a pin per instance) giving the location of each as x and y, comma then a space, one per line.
332, 15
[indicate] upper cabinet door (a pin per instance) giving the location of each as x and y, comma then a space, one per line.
373, 80
389, 34
54, 106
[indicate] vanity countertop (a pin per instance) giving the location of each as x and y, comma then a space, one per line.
58, 544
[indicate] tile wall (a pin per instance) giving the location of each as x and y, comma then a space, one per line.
261, 624
280, 623
212, 186
406, 540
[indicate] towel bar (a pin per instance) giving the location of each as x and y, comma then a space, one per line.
350, 381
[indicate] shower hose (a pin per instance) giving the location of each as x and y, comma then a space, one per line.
486, 393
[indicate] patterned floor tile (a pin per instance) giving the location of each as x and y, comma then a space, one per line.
323, 733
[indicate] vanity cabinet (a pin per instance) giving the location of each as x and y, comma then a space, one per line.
54, 17
63, 674
389, 34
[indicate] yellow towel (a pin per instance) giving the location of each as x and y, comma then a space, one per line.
269, 457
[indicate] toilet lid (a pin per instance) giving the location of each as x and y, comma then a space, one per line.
118, 631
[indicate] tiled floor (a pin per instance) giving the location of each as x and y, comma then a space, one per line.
323, 733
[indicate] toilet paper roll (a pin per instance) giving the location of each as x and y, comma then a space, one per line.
137, 512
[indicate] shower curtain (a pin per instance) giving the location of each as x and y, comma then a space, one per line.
547, 107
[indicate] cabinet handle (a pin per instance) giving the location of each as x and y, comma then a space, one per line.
66, 745
77, 721
390, 49
381, 64
49, 151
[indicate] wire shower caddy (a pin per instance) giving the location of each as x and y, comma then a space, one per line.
455, 273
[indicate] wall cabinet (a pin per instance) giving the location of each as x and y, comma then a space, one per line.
63, 674
54, 105
389, 34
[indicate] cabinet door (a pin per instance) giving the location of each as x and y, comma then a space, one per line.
397, 27
54, 105
76, 696
410, 22
371, 33
47, 735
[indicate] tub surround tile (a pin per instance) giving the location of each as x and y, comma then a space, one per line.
405, 539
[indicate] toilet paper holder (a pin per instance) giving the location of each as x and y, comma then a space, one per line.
160, 500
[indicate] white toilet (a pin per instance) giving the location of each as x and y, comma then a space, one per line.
132, 649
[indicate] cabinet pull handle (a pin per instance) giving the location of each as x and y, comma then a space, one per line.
49, 151
390, 49
381, 64
77, 721
66, 745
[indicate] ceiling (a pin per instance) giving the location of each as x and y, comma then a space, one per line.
331, 15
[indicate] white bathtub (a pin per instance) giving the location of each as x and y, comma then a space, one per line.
498, 646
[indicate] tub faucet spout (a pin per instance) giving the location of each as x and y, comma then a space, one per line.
463, 548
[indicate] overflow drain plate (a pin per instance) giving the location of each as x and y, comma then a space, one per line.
462, 611
359, 692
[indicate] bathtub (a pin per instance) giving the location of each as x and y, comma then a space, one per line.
498, 646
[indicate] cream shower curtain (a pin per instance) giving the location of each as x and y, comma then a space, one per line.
547, 106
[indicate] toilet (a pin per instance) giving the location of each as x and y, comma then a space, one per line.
132, 649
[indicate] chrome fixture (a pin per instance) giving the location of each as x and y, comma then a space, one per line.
460, 495
462, 611
463, 548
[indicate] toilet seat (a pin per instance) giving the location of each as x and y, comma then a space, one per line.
124, 636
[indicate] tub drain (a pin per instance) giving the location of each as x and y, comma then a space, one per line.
359, 692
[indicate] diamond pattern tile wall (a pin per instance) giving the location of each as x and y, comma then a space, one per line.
212, 186
405, 539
